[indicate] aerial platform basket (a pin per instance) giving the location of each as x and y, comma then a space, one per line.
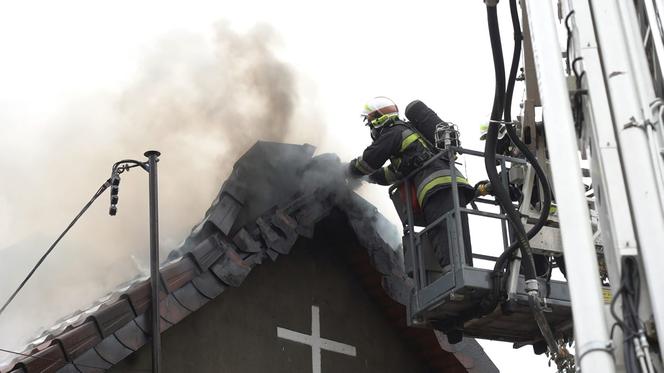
448, 300
445, 303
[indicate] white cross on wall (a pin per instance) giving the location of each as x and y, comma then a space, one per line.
315, 341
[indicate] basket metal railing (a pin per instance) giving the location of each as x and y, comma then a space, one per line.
451, 218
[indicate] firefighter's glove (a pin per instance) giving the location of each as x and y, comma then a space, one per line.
374, 179
351, 179
482, 188
348, 171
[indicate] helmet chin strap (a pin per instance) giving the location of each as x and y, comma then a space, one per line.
383, 120
377, 130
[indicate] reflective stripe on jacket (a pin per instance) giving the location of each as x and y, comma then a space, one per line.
437, 178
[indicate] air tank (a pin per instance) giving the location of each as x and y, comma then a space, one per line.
424, 119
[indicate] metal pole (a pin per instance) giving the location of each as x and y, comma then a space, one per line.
592, 337
155, 280
418, 271
460, 248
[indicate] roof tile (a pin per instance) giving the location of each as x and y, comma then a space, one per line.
225, 212
310, 214
246, 243
208, 285
178, 273
234, 188
207, 252
143, 322
139, 296
231, 269
91, 362
80, 339
110, 318
171, 310
298, 203
252, 259
111, 350
278, 232
189, 297
131, 336
47, 359
270, 236
284, 222
272, 254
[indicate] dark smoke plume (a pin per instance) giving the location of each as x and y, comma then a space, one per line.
201, 102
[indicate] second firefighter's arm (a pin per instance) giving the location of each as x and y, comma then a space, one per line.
374, 156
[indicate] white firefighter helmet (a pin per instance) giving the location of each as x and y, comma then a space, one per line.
378, 110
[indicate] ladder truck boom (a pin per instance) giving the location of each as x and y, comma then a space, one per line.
597, 103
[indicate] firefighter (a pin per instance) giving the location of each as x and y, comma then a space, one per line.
407, 150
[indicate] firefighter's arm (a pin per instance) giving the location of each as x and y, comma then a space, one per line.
384, 176
376, 154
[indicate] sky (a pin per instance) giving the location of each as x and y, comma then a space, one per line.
64, 62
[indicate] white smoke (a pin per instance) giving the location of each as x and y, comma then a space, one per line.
200, 101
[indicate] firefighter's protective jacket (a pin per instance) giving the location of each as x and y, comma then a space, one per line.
406, 150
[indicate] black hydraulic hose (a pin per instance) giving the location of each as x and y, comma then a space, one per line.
516, 57
511, 132
500, 192
490, 302
499, 71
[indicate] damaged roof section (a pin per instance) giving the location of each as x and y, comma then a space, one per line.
275, 194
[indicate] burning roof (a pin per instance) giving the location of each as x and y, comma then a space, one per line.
275, 194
